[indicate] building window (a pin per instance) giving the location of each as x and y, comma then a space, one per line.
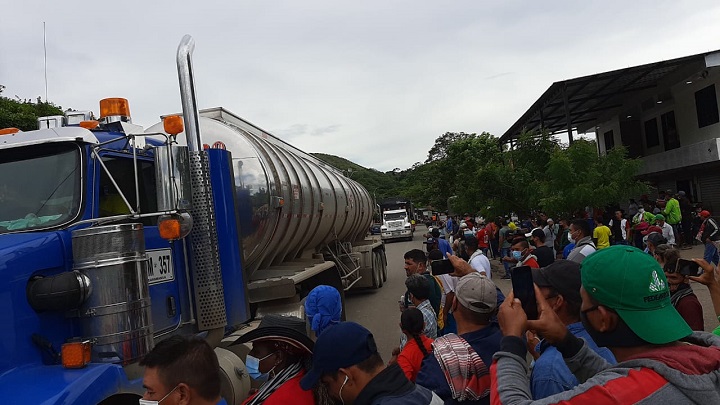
609, 140
706, 106
652, 137
670, 133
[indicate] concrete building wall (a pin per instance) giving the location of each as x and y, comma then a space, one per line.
682, 103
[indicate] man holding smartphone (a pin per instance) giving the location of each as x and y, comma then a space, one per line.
559, 284
625, 307
681, 294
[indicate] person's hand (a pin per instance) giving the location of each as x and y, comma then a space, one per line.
532, 342
462, 268
548, 323
708, 276
512, 317
394, 356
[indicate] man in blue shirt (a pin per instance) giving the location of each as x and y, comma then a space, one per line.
442, 243
560, 285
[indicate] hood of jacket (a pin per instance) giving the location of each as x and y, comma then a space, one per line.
693, 368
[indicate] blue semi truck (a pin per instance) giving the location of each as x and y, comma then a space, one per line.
113, 237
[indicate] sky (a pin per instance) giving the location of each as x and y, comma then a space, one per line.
375, 82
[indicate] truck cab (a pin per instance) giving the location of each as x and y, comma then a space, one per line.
396, 225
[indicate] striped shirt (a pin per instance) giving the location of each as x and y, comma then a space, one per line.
430, 322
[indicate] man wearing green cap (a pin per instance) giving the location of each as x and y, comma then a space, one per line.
625, 307
667, 230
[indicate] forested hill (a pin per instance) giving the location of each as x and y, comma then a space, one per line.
376, 182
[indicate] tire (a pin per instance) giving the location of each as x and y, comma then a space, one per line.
378, 268
383, 260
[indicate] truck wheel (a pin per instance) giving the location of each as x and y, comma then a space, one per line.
383, 260
378, 268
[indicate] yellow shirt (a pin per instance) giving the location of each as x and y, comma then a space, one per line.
602, 234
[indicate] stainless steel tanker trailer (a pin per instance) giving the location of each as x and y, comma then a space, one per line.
298, 216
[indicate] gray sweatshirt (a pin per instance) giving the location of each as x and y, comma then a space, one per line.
684, 374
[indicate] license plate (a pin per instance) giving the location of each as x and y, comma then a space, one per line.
160, 266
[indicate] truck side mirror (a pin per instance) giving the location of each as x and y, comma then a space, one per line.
172, 173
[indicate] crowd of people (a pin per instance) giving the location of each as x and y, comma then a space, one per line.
617, 322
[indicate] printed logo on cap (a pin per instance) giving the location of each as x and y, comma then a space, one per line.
656, 285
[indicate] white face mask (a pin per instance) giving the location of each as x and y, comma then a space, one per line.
149, 402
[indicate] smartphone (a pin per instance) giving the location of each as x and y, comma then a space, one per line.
524, 290
438, 267
688, 268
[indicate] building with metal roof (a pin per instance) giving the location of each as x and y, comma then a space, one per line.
665, 113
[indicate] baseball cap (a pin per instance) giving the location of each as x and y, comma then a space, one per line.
430, 241
656, 238
682, 193
476, 293
705, 213
651, 229
463, 225
631, 282
561, 275
642, 226
659, 217
512, 226
342, 345
536, 232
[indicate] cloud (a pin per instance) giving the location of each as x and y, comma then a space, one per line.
376, 82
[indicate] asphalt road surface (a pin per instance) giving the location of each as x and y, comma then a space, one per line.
378, 310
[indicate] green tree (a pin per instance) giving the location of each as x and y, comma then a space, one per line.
23, 114
442, 143
577, 177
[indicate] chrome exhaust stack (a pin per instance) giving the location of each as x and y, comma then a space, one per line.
204, 258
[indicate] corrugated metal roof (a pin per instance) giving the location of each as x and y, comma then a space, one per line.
589, 98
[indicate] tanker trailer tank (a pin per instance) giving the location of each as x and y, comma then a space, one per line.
290, 205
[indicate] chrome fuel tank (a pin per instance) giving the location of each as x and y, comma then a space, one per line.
289, 203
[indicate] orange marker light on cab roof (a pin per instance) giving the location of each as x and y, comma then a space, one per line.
173, 124
75, 354
8, 131
114, 106
89, 124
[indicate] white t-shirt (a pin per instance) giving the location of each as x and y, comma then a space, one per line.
480, 263
448, 284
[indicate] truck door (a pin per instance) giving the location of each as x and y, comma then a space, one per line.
166, 271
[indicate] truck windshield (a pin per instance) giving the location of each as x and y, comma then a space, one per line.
394, 216
39, 186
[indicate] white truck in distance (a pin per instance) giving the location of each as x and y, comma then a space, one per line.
396, 225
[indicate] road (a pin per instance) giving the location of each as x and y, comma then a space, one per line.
378, 310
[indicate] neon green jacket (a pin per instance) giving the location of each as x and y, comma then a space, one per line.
672, 212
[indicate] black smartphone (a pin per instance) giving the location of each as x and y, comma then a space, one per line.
688, 268
524, 290
438, 267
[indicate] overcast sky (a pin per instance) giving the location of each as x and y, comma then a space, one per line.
375, 82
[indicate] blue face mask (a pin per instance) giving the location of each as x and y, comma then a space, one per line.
252, 364
517, 255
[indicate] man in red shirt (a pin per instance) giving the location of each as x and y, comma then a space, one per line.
483, 238
520, 251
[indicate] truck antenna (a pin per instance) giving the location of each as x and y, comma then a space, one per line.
45, 57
